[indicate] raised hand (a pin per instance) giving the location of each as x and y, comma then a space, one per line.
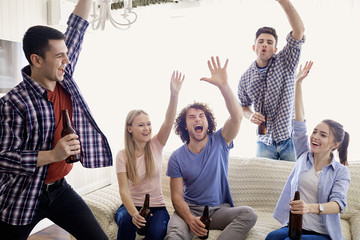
303, 72
218, 74
177, 79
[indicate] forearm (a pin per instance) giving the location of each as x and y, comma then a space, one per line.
299, 104
128, 203
329, 208
83, 8
232, 104
167, 125
294, 18
45, 157
247, 112
182, 209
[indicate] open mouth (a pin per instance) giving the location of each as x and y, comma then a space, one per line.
62, 70
198, 129
315, 143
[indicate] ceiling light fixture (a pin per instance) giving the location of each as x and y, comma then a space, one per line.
105, 8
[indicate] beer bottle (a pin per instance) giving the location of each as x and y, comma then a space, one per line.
68, 129
295, 222
145, 213
262, 126
205, 220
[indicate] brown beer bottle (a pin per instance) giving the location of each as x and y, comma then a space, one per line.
205, 220
145, 213
295, 222
262, 126
68, 129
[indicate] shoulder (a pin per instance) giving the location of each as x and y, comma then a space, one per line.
341, 170
248, 71
177, 153
120, 156
218, 139
16, 99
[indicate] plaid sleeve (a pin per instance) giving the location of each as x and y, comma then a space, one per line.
291, 53
244, 99
74, 38
12, 158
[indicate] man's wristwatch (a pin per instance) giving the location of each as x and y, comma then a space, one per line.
321, 208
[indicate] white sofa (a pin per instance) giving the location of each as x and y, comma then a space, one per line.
255, 182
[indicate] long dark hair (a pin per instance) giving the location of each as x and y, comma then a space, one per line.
180, 123
340, 136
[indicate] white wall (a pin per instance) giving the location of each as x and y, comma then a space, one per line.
122, 70
131, 69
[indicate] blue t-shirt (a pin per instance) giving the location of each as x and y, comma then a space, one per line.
204, 174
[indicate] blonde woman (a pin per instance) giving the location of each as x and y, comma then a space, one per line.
138, 168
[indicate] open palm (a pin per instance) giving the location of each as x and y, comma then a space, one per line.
218, 74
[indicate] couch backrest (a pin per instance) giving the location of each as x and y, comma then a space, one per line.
258, 182
353, 194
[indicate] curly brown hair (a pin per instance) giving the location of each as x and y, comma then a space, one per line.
180, 123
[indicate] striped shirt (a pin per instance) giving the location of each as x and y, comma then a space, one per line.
279, 97
27, 126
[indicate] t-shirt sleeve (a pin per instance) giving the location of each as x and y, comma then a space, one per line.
120, 162
173, 169
221, 139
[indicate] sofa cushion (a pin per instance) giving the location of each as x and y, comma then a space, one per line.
255, 182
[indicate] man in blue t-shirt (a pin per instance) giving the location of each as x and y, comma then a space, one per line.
198, 170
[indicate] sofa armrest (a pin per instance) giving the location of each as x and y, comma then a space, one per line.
354, 226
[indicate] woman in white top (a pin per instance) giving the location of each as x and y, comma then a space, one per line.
321, 181
138, 168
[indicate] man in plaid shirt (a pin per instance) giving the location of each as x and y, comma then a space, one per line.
270, 81
32, 150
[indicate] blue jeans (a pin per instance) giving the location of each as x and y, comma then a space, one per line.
156, 229
283, 150
66, 209
282, 234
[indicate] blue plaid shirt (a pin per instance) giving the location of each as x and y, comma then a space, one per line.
333, 183
27, 125
279, 97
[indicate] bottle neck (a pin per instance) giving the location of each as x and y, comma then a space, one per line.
206, 211
147, 201
297, 195
66, 118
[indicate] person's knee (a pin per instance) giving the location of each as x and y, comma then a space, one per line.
174, 234
248, 214
177, 231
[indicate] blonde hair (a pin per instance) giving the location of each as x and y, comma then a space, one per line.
131, 170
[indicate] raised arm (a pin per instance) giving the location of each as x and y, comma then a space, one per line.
83, 8
219, 78
175, 86
299, 104
294, 18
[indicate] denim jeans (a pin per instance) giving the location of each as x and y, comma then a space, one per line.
282, 234
156, 229
66, 209
283, 150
